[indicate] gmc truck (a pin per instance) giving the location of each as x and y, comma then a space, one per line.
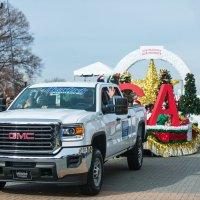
64, 132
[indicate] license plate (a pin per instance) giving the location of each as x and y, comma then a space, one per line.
22, 175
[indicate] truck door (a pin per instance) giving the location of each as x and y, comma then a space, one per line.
123, 129
111, 129
127, 133
130, 137
112, 126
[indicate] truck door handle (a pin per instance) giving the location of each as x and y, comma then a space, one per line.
129, 116
118, 119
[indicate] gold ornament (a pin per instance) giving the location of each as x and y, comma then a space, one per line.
149, 84
174, 82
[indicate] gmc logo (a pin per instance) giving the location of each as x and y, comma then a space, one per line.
21, 136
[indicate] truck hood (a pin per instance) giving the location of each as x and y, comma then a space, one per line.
41, 115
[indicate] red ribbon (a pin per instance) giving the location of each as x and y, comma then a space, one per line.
167, 137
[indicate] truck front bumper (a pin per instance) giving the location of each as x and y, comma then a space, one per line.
69, 166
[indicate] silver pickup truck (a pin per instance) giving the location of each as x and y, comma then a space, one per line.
64, 132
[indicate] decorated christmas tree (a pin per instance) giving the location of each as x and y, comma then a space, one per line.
189, 103
150, 85
125, 77
164, 77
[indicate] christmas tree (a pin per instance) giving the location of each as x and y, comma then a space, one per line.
189, 103
150, 85
125, 77
164, 77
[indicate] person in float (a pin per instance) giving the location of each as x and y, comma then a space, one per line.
136, 101
101, 78
149, 109
114, 79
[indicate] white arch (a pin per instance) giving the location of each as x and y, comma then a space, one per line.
152, 52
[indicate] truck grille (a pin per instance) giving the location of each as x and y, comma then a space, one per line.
29, 139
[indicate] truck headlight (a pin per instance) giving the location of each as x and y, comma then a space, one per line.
75, 131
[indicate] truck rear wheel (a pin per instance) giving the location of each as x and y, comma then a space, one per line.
2, 185
135, 156
95, 175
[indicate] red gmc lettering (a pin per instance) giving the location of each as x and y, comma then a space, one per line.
21, 136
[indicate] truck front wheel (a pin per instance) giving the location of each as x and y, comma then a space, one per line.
2, 185
135, 156
95, 175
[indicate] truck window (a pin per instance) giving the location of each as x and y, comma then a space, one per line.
104, 96
106, 99
80, 98
117, 92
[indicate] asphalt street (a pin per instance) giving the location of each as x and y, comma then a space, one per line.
159, 178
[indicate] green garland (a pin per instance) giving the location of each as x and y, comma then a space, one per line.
167, 131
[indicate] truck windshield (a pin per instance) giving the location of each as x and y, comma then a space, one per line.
82, 98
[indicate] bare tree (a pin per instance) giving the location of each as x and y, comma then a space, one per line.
16, 57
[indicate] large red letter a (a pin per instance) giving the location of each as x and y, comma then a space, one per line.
165, 94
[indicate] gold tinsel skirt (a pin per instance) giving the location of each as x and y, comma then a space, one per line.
174, 149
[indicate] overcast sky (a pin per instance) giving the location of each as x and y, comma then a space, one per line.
74, 33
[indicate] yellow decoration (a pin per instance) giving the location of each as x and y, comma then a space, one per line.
175, 149
149, 85
140, 83
174, 82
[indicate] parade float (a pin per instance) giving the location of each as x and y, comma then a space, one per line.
169, 129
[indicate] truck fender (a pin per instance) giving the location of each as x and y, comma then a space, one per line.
99, 141
143, 132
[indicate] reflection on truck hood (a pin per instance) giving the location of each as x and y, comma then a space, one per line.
64, 115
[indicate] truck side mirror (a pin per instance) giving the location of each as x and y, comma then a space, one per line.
121, 105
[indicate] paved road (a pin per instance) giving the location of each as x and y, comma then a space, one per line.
160, 178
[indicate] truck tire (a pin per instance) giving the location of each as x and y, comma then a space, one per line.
95, 175
135, 156
2, 185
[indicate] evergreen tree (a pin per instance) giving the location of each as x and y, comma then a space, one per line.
189, 103
164, 77
125, 77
